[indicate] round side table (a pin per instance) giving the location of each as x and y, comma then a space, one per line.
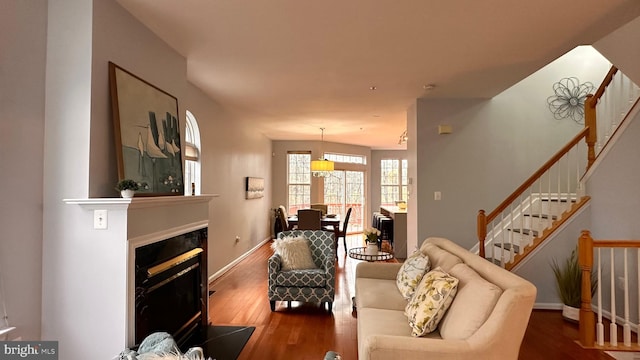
359, 253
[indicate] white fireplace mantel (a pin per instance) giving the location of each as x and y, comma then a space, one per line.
130, 223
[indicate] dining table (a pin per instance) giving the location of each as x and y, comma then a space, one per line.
331, 220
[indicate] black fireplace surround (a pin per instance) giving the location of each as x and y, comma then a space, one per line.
171, 287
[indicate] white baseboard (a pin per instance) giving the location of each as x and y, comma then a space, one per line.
226, 268
547, 306
606, 314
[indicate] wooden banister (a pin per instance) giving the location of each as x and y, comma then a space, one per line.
587, 326
532, 179
590, 115
482, 232
607, 80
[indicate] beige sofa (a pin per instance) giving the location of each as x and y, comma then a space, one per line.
474, 327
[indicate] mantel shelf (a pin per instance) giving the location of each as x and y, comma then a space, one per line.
139, 202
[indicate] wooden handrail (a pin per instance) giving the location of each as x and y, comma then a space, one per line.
532, 179
607, 80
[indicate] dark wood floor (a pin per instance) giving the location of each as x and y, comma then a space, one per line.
307, 331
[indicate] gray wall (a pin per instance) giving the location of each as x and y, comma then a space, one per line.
23, 25
231, 151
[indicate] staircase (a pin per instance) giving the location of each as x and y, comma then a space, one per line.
555, 192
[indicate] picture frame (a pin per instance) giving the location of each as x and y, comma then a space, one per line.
254, 187
147, 134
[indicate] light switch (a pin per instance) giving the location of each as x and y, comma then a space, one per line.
437, 195
100, 219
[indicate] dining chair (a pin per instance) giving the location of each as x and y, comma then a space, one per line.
341, 232
282, 217
309, 219
322, 207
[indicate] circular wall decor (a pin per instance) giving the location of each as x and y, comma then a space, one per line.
568, 99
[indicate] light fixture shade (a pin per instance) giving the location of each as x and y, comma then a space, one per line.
321, 167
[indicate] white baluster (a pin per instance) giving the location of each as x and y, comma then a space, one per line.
531, 218
600, 326
613, 329
494, 238
569, 193
513, 225
626, 333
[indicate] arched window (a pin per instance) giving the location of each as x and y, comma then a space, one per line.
192, 156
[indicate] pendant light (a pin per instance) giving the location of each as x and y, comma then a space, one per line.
321, 167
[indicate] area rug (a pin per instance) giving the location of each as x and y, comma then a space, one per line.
623, 355
226, 342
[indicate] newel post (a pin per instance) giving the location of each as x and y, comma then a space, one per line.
587, 326
482, 232
590, 122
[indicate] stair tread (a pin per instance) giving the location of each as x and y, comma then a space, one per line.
507, 246
542, 216
525, 231
559, 199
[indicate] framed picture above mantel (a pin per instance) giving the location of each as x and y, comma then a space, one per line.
147, 134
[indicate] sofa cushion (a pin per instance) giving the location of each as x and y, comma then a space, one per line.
439, 257
411, 272
302, 278
380, 294
295, 253
474, 302
431, 300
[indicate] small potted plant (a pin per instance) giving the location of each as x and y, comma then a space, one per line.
127, 188
568, 283
371, 239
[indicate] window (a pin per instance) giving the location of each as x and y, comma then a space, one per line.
191, 156
393, 181
299, 181
345, 158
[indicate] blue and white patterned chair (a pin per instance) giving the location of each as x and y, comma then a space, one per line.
308, 285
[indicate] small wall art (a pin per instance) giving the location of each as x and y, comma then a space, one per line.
568, 99
254, 187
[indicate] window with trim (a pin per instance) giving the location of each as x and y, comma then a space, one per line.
393, 181
298, 181
346, 158
191, 156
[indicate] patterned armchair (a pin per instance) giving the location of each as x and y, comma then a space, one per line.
308, 285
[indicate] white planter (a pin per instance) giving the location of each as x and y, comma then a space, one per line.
570, 313
372, 249
127, 194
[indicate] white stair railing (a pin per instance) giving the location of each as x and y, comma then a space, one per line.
532, 208
557, 180
611, 108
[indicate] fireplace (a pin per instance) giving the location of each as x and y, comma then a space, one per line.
97, 318
171, 287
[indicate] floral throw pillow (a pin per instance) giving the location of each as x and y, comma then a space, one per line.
431, 300
411, 272
295, 253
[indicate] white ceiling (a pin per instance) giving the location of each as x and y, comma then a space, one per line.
293, 66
